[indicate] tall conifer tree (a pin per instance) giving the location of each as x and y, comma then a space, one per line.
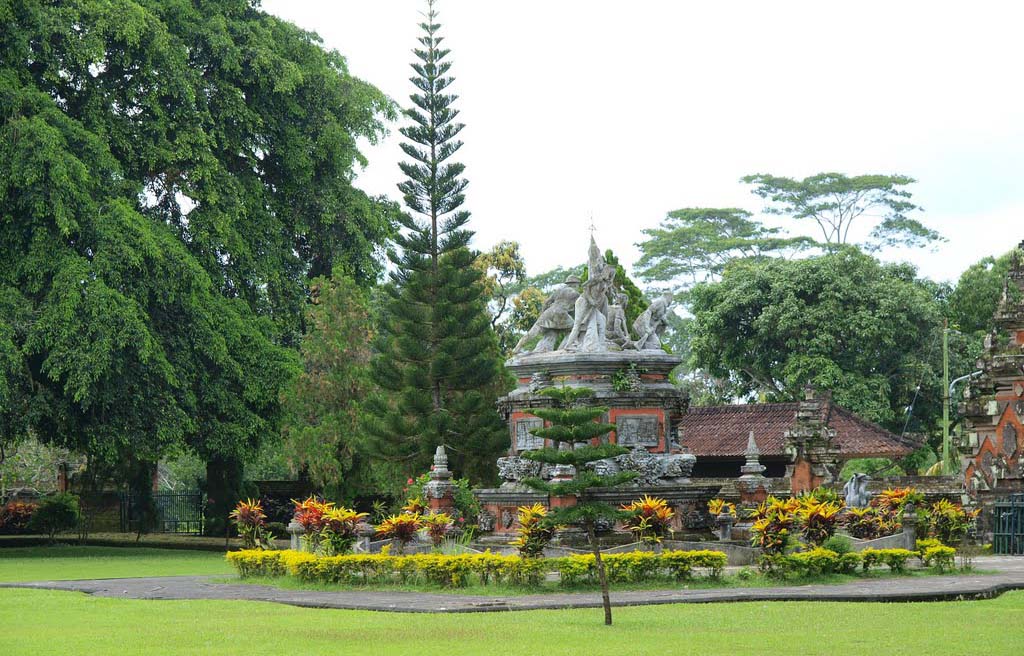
437, 366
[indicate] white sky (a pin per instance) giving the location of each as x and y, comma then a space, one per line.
627, 110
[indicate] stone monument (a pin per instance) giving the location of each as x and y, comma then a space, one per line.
629, 373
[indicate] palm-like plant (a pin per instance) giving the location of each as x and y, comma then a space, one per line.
649, 518
400, 528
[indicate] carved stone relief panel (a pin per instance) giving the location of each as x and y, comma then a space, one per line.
525, 440
637, 430
1009, 440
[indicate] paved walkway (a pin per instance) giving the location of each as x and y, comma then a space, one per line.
1008, 575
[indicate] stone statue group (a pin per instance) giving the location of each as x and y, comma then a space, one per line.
594, 318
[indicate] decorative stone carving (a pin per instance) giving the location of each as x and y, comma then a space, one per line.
525, 439
856, 491
678, 467
651, 468
540, 380
606, 467
1009, 440
752, 468
650, 325
555, 318
637, 430
486, 520
591, 311
695, 519
508, 518
513, 469
618, 328
440, 484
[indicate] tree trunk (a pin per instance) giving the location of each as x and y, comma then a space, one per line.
601, 576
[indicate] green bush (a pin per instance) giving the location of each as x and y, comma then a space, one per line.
839, 544
814, 562
940, 557
56, 514
459, 569
895, 559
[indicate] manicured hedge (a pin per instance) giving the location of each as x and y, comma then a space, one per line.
459, 570
896, 559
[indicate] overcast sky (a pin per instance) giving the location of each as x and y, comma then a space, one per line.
626, 110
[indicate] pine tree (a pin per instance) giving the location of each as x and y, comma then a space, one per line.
573, 425
437, 366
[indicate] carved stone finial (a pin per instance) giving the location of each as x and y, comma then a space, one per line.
752, 468
440, 485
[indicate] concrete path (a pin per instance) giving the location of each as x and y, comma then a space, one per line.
1009, 575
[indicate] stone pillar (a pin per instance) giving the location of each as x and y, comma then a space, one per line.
440, 489
365, 533
724, 523
813, 459
296, 531
909, 527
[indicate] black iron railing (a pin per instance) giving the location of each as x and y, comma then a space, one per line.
176, 512
1008, 525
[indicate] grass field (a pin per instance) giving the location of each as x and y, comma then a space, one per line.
46, 622
72, 562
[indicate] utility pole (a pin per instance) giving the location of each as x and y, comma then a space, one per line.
945, 395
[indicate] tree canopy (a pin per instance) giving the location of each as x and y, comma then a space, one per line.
171, 175
841, 321
835, 202
694, 244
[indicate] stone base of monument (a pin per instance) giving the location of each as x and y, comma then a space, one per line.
645, 408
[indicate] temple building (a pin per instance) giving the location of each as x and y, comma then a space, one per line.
992, 444
718, 435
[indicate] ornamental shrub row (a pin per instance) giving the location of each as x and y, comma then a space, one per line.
638, 566
458, 570
820, 561
814, 562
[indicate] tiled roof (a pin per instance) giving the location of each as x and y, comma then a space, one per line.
722, 430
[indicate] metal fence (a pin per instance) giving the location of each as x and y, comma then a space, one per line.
176, 512
1008, 525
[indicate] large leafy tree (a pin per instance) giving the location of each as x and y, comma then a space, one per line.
438, 365
973, 302
694, 244
835, 202
171, 173
841, 321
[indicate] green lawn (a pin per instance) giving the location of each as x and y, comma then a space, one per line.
46, 622
68, 562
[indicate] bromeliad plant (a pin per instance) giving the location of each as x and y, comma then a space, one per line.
400, 528
251, 524
649, 518
534, 531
